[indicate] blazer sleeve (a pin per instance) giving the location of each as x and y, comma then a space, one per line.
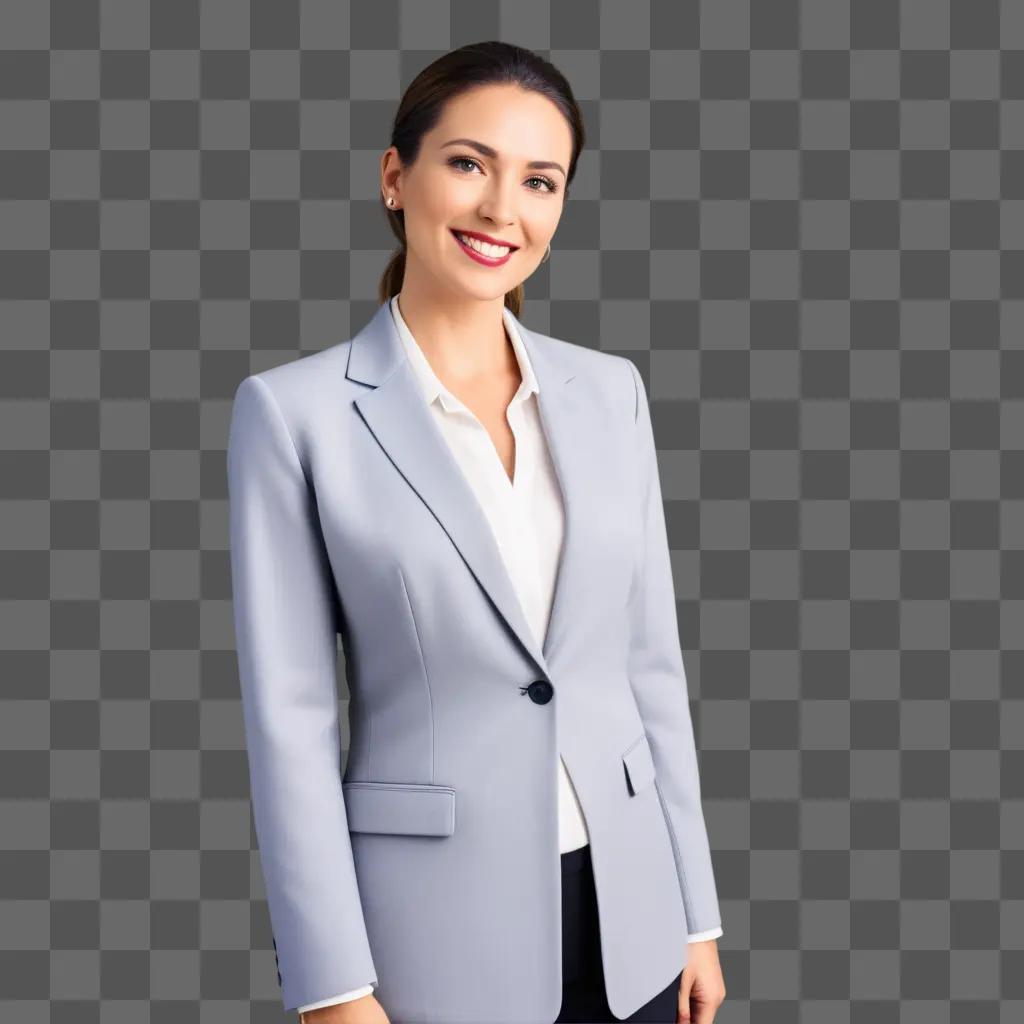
286, 622
658, 680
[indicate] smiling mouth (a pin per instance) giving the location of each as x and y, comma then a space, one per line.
458, 234
480, 257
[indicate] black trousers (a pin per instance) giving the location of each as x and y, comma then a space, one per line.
583, 995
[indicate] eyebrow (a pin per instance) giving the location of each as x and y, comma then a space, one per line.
488, 151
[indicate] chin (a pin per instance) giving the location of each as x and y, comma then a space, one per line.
483, 293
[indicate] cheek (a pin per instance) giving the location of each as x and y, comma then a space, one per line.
444, 201
428, 230
545, 216
540, 229
435, 203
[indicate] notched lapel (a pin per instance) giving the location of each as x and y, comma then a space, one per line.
400, 420
572, 438
402, 424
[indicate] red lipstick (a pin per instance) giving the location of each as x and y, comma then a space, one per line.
480, 258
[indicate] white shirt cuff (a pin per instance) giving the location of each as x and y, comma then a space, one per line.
711, 933
354, 994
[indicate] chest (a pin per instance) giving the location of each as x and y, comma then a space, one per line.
491, 417
402, 494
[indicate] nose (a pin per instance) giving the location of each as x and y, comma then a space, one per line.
499, 206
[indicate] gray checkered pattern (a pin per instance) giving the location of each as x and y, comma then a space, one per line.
804, 221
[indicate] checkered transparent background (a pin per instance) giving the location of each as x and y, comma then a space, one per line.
803, 221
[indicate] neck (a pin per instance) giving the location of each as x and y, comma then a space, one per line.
462, 341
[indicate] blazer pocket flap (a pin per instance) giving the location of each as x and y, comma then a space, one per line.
639, 764
400, 808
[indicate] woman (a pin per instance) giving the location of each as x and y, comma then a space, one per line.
475, 508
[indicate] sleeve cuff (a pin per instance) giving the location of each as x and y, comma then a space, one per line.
354, 994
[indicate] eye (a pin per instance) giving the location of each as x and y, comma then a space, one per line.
462, 160
552, 186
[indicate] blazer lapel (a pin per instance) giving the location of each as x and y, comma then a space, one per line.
573, 441
402, 424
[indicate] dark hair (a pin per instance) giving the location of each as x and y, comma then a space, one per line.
486, 63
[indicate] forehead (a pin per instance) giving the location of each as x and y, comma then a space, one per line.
517, 123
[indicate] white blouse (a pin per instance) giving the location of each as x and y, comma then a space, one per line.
526, 517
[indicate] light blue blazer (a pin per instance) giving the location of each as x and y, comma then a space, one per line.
430, 866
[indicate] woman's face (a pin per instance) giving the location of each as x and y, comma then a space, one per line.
489, 188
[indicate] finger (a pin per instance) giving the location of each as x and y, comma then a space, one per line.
704, 1013
685, 988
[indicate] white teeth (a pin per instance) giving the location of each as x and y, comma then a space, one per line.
495, 252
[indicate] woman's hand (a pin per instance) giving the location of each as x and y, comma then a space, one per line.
702, 989
364, 1010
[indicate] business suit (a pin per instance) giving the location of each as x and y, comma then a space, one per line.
432, 869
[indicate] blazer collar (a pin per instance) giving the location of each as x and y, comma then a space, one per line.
430, 384
394, 411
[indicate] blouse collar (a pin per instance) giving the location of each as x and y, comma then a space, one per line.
432, 387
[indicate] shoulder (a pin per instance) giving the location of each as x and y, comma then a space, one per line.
308, 378
614, 378
303, 389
